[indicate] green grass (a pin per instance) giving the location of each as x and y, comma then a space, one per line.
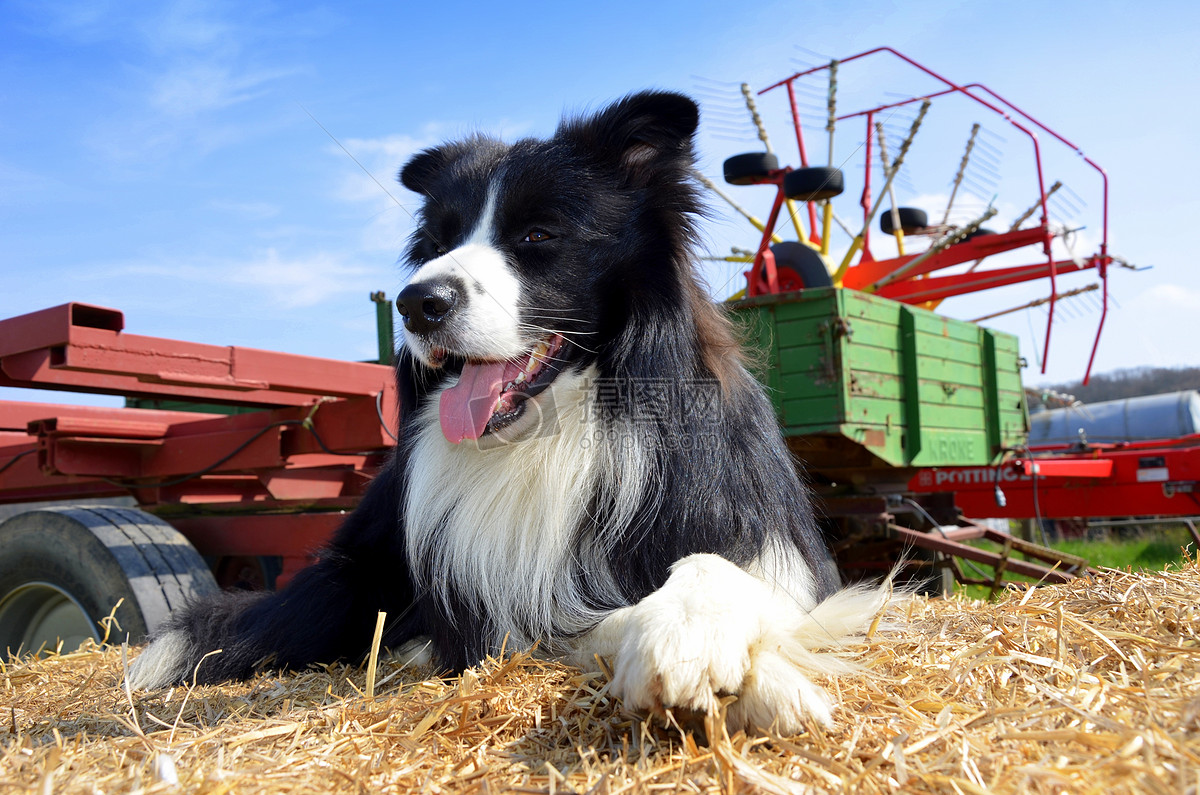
1147, 550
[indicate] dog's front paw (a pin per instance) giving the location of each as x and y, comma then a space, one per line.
777, 694
714, 630
678, 649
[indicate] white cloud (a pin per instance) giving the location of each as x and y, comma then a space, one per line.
84, 21
187, 25
191, 89
184, 65
397, 147
1166, 298
371, 180
287, 282
382, 158
303, 282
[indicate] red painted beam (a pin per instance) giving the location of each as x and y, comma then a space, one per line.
22, 479
112, 456
48, 328
16, 415
1067, 468
319, 442
259, 534
937, 288
869, 272
77, 347
92, 452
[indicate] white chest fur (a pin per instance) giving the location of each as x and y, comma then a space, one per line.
500, 526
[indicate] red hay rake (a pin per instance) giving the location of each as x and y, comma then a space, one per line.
914, 277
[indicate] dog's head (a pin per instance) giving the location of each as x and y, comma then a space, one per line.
532, 258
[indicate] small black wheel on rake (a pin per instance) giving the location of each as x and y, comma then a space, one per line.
750, 168
814, 184
912, 220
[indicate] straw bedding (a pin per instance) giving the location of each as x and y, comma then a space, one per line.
1088, 687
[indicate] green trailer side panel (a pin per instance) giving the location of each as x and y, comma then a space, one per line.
858, 377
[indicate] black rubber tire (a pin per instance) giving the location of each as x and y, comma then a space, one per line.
978, 233
814, 184
95, 556
804, 261
912, 220
750, 168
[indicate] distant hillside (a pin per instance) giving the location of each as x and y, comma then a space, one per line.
1130, 382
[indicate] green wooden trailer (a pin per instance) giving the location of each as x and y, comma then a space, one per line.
867, 391
865, 386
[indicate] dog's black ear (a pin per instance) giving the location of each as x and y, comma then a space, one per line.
419, 174
428, 169
639, 133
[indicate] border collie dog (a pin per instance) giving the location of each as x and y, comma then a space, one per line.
584, 462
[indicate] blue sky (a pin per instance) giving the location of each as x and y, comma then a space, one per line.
163, 158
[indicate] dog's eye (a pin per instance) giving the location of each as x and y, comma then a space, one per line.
537, 236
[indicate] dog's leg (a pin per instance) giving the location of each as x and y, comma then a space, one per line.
327, 612
714, 629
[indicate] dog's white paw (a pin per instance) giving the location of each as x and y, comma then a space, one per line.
678, 649
714, 630
777, 694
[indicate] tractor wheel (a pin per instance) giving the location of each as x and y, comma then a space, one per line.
912, 220
749, 168
64, 569
804, 262
814, 184
978, 233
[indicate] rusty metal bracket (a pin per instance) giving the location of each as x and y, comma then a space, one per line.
1057, 573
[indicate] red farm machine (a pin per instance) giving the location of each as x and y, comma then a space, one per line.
222, 499
870, 384
1118, 464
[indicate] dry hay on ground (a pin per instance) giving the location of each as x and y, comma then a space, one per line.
1087, 687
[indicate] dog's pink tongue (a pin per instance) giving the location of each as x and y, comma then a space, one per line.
466, 407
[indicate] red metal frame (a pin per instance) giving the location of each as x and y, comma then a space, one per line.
916, 286
82, 348
1154, 478
949, 542
275, 481
764, 275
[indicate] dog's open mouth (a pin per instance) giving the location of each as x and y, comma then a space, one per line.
492, 395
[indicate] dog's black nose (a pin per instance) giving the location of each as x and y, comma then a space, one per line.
425, 306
